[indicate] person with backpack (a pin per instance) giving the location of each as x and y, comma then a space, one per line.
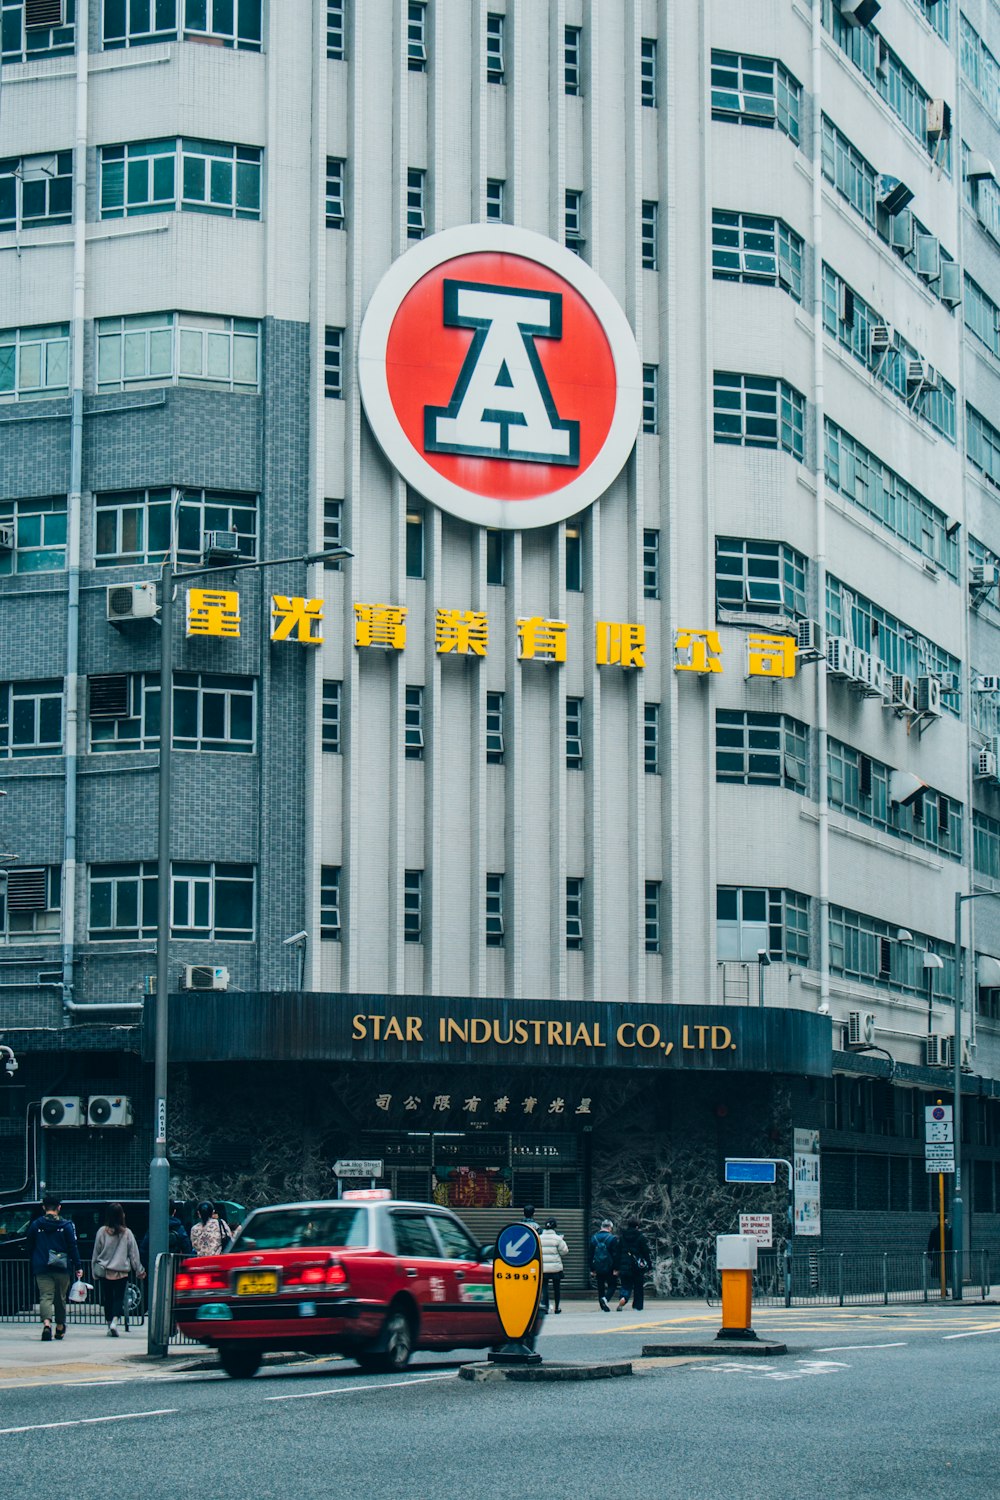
115, 1255
603, 1248
178, 1240
211, 1234
55, 1258
632, 1262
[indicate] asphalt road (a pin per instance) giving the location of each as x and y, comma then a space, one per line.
888, 1403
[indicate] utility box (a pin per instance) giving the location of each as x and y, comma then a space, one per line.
735, 1252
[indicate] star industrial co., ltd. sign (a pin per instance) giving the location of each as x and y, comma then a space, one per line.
500, 376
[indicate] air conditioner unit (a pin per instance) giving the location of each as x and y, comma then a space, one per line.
892, 195
929, 697
986, 765
922, 374
986, 684
950, 290
979, 167
902, 692
880, 337
43, 13
109, 1111
860, 1028
984, 575
951, 682
6, 538
62, 1112
901, 232
131, 601
859, 12
218, 545
938, 119
935, 1051
205, 977
838, 654
809, 640
928, 252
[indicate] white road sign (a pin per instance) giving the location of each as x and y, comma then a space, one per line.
359, 1168
758, 1227
938, 1123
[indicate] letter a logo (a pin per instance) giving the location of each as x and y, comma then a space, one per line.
501, 406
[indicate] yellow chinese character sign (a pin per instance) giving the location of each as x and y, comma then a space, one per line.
292, 619
697, 651
464, 632
541, 640
213, 612
380, 625
770, 656
620, 645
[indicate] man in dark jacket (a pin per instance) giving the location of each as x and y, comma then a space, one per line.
55, 1257
603, 1250
632, 1262
178, 1239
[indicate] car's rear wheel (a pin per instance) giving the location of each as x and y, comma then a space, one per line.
239, 1360
397, 1345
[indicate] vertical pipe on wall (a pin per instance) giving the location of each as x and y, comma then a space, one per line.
819, 476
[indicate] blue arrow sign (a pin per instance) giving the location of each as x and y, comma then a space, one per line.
517, 1244
750, 1170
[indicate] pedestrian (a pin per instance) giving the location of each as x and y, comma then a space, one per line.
211, 1234
632, 1262
528, 1217
115, 1255
603, 1247
178, 1240
554, 1247
55, 1258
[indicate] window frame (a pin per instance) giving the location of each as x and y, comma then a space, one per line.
495, 712
56, 184
651, 562
574, 913
332, 705
652, 902
651, 739
167, 341
413, 723
330, 894
496, 69
45, 543
648, 73
573, 61
336, 182
416, 36
45, 921
416, 203
650, 234
574, 734
41, 693
52, 343
413, 906
494, 931
651, 400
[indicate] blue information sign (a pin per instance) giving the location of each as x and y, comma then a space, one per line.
750, 1171
517, 1244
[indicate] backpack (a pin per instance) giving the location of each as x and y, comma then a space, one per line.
602, 1255
175, 1243
57, 1254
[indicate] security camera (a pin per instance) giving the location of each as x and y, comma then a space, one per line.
9, 1060
298, 937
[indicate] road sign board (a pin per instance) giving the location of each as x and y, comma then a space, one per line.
758, 1227
749, 1169
938, 1123
945, 1165
938, 1112
370, 1167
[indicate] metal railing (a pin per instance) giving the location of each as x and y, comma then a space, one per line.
838, 1279
19, 1297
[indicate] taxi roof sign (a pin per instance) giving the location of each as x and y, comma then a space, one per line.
368, 1193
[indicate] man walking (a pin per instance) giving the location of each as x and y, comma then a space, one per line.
603, 1249
55, 1256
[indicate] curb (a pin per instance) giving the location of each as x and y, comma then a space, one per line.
545, 1372
760, 1347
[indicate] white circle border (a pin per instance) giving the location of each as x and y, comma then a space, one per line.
486, 510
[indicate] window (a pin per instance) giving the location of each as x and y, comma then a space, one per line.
134, 526
336, 31
333, 532
39, 535
755, 91
36, 190
141, 178
415, 533
574, 912
495, 200
413, 736
747, 247
416, 216
416, 36
758, 412
34, 362
495, 68
859, 786
980, 67
982, 440
651, 739
573, 221
759, 577
651, 399
985, 845
650, 564
236, 25
750, 921
574, 733
494, 729
208, 902
413, 906
647, 73
31, 718
30, 903
853, 177
494, 911
650, 235
21, 44
211, 712
574, 556
329, 904
335, 217
178, 348
864, 949
333, 364
652, 916
572, 43
496, 557
861, 477
756, 749
982, 316
902, 649
332, 695
131, 23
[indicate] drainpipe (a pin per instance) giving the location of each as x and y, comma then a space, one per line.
819, 476
74, 506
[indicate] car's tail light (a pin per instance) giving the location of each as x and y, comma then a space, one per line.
208, 1281
336, 1275
183, 1281
305, 1276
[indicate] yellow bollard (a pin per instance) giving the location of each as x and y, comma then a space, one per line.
736, 1258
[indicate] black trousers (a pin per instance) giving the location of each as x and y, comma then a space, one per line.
636, 1289
551, 1288
605, 1284
113, 1296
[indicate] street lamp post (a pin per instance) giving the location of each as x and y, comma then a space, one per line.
159, 1166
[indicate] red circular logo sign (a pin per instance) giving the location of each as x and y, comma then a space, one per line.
500, 376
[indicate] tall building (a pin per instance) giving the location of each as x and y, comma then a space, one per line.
691, 770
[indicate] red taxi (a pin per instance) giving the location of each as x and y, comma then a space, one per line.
374, 1279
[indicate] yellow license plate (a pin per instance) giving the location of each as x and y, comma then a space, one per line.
256, 1283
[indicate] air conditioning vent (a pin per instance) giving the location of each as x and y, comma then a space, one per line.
921, 374
27, 890
205, 977
986, 765
880, 337
902, 692
62, 1112
6, 538
131, 601
837, 653
938, 119
986, 684
984, 575
40, 13
108, 696
109, 1111
979, 168
809, 640
860, 1028
220, 545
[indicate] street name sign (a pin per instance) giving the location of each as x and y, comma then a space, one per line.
749, 1169
359, 1168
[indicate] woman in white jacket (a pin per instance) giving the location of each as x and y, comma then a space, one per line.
554, 1247
115, 1255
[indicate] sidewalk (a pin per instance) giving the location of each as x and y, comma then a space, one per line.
85, 1351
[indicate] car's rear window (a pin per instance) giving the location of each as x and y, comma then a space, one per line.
289, 1228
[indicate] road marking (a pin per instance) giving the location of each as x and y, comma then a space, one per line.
125, 1416
974, 1334
840, 1348
350, 1389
